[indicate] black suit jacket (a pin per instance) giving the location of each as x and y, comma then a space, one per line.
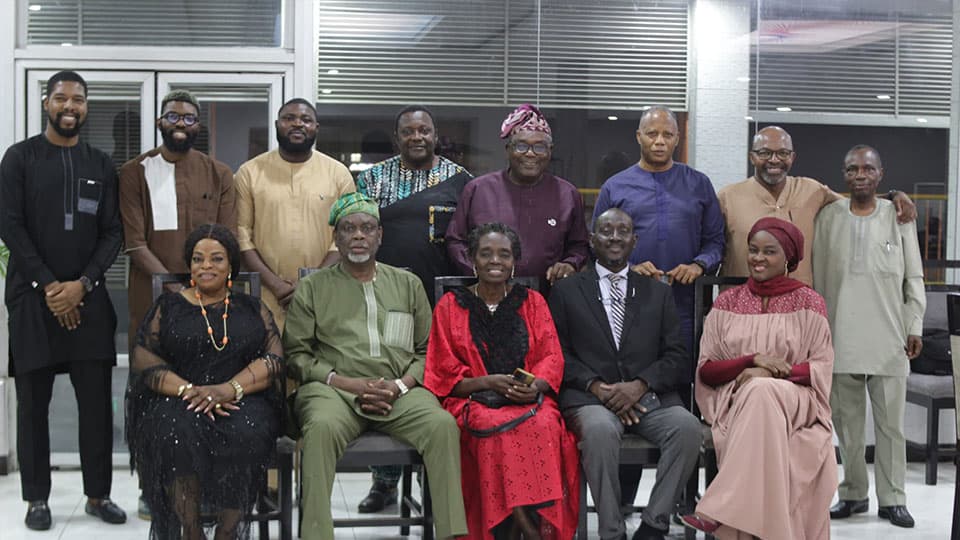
650, 346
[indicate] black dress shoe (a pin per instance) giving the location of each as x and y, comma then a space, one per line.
646, 532
143, 509
38, 516
380, 497
844, 509
897, 515
107, 511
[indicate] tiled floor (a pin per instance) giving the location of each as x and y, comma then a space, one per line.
932, 506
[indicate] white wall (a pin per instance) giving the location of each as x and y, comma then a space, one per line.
719, 91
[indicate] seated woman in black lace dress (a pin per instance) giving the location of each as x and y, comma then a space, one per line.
204, 397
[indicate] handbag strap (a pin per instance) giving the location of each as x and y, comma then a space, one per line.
506, 426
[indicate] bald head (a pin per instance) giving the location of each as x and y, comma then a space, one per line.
658, 136
658, 110
613, 239
772, 155
611, 214
771, 133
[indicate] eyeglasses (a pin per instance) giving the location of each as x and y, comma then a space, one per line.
350, 229
539, 149
767, 154
174, 117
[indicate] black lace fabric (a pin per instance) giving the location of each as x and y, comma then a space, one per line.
199, 474
501, 337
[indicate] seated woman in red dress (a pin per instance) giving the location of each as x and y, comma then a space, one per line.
519, 479
763, 384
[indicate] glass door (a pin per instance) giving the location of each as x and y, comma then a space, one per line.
237, 111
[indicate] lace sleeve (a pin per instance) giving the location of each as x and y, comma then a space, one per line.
272, 346
148, 363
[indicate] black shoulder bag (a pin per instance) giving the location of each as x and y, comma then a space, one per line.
495, 401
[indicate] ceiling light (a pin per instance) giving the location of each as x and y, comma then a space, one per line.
65, 44
612, 118
35, 7
883, 96
922, 120
784, 109
326, 91
748, 118
743, 79
333, 71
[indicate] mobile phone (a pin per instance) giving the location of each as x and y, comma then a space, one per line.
523, 376
650, 401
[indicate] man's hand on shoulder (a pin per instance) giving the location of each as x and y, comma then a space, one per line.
906, 209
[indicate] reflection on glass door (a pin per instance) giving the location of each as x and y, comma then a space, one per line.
120, 123
236, 111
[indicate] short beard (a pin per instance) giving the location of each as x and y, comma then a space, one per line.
358, 259
296, 148
765, 179
174, 145
62, 131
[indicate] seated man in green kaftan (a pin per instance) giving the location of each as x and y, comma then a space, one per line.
355, 339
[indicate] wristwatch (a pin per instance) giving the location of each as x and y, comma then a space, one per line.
87, 284
701, 264
403, 388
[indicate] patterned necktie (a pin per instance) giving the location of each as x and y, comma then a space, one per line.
616, 306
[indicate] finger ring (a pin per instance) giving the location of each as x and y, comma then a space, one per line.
217, 406
209, 398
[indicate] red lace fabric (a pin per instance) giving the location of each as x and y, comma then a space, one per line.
533, 464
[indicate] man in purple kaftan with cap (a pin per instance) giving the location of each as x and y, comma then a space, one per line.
545, 210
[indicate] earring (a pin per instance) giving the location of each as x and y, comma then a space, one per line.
229, 283
786, 268
193, 283
475, 271
513, 271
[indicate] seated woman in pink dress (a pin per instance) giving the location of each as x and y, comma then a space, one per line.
519, 479
763, 383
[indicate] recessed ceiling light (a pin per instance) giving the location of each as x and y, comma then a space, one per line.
748, 118
612, 118
743, 79
65, 44
784, 109
326, 91
333, 71
35, 7
922, 120
883, 96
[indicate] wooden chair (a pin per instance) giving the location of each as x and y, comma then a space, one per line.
278, 507
373, 449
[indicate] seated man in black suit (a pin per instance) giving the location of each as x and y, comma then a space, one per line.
625, 362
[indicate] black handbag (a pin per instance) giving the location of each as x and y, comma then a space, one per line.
485, 399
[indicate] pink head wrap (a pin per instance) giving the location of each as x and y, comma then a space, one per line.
526, 117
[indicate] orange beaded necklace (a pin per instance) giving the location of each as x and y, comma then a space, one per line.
226, 309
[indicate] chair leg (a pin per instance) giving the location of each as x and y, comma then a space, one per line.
285, 487
933, 444
263, 526
582, 521
426, 506
405, 482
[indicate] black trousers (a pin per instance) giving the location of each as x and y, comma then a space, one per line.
91, 386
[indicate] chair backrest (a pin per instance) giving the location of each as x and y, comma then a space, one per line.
702, 300
953, 321
444, 284
246, 282
304, 272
